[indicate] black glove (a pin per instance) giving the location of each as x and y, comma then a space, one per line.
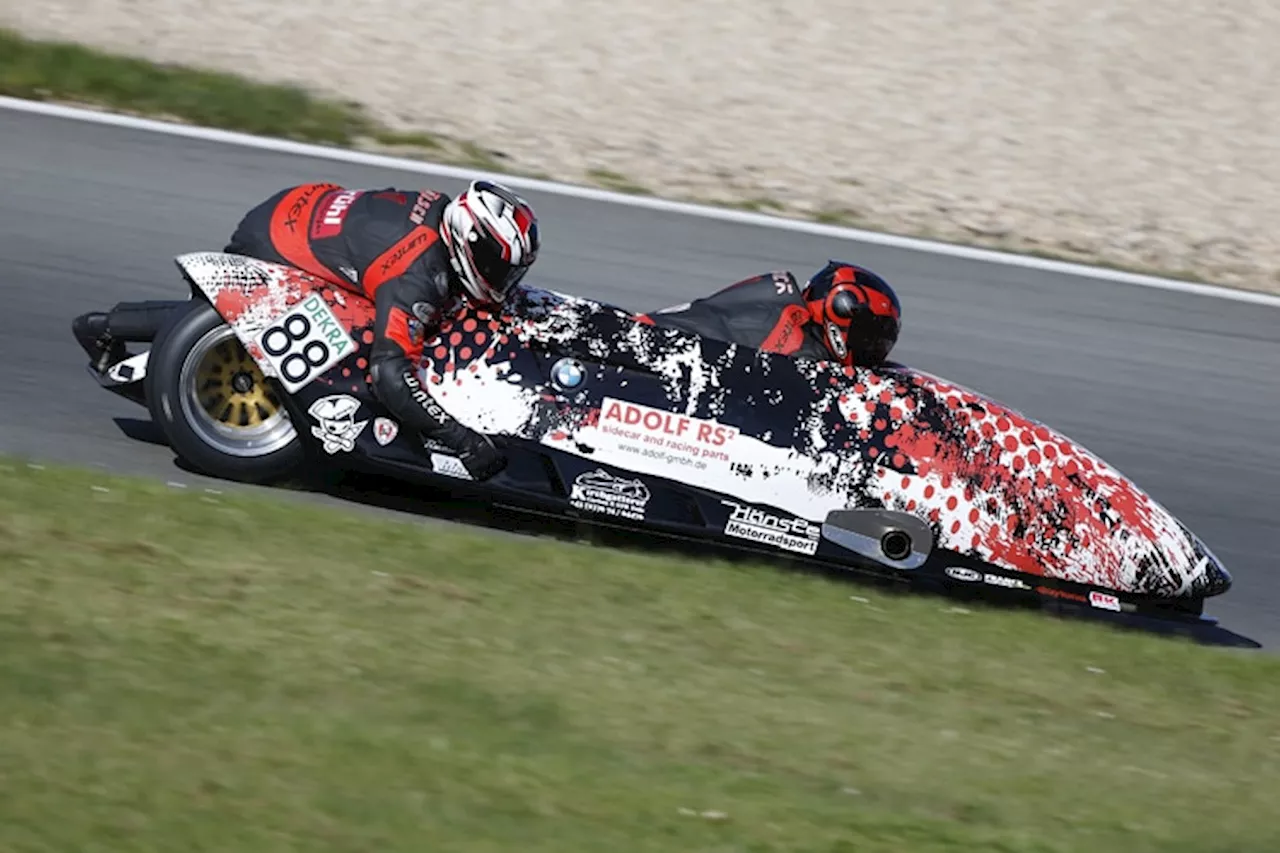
479, 455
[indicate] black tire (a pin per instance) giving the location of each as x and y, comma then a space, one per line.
184, 342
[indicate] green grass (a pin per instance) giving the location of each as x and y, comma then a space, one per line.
190, 671
48, 71
408, 139
760, 204
479, 157
52, 71
616, 181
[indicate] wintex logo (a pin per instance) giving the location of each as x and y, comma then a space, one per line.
756, 525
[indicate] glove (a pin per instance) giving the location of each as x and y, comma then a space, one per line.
479, 455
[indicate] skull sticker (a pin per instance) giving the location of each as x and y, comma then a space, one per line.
338, 429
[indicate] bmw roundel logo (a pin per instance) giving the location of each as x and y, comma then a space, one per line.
568, 373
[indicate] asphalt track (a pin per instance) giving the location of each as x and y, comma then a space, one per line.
1180, 391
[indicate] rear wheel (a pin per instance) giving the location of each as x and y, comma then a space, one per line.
218, 410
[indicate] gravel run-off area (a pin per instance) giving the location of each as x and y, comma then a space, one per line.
1137, 134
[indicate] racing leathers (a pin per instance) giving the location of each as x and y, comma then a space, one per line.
387, 245
767, 312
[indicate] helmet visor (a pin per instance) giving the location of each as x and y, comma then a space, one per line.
498, 275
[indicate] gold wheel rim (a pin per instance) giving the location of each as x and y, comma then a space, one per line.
231, 388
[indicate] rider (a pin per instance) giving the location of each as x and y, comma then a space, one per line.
844, 312
417, 255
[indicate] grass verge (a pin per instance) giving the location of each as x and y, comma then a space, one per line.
616, 181
194, 671
68, 72
51, 71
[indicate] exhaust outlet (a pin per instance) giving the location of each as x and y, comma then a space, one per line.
896, 544
899, 540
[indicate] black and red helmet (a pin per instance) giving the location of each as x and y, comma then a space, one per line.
858, 312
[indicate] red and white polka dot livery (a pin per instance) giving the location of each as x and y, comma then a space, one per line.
1012, 492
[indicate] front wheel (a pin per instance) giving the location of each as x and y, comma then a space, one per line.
218, 410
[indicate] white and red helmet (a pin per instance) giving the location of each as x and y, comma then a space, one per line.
492, 237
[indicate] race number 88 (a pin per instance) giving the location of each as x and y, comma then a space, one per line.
278, 340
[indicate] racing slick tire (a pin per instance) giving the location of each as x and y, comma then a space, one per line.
219, 412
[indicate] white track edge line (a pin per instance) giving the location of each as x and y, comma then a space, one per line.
875, 238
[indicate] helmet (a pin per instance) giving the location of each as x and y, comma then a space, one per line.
858, 312
492, 237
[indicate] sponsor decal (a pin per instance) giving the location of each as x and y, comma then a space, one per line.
674, 438
788, 332
304, 343
1051, 592
332, 211
960, 573
425, 400
385, 430
450, 466
417, 333
404, 248
567, 373
835, 339
599, 491
648, 423
338, 428
425, 199
1002, 580
299, 204
1103, 601
756, 525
